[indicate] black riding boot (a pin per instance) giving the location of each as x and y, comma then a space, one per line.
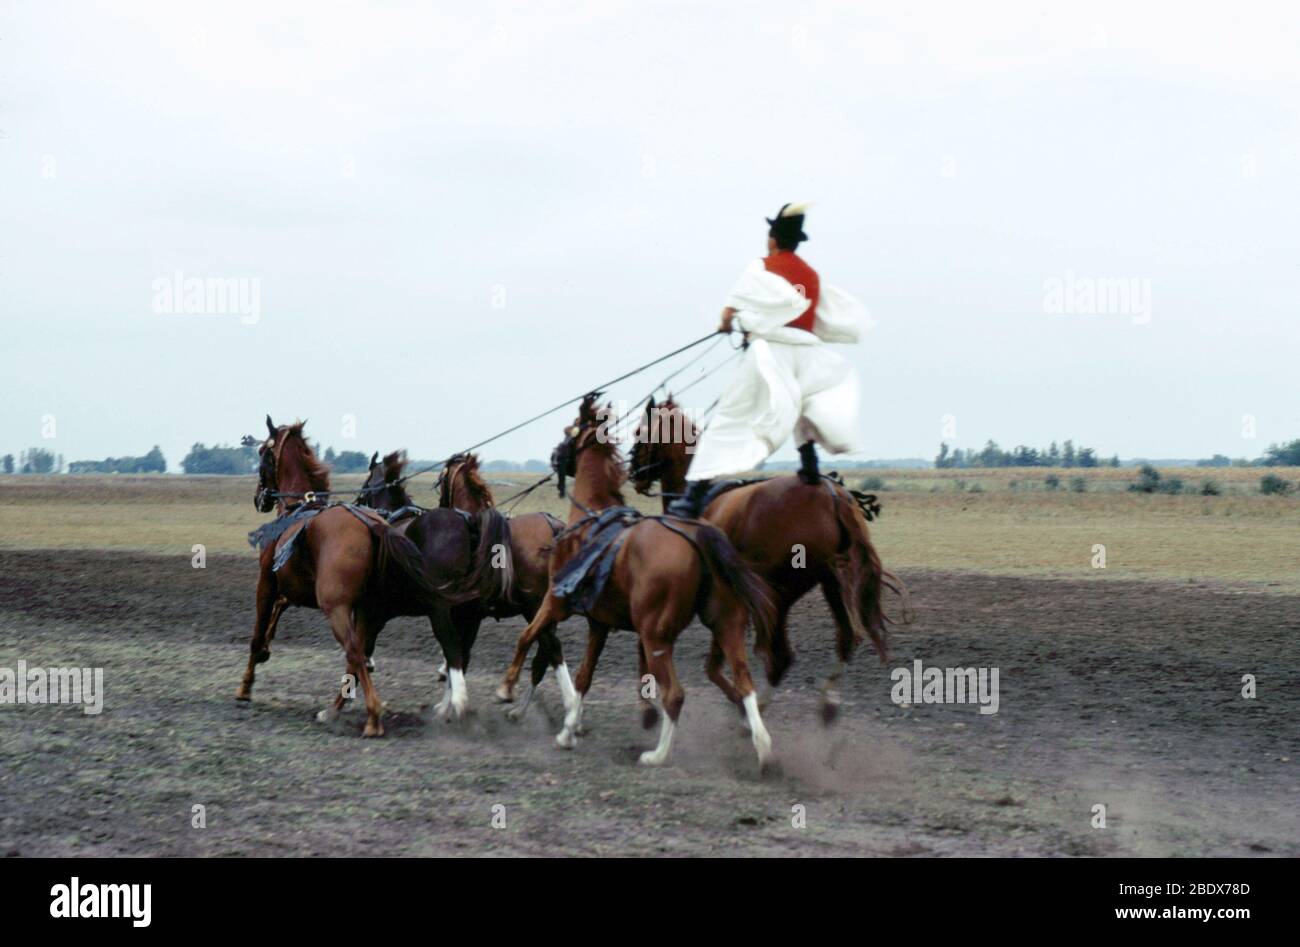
808, 471
688, 504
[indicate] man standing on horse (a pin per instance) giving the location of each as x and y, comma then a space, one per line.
789, 379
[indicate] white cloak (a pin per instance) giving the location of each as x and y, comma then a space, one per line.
788, 381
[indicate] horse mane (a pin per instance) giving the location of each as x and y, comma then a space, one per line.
615, 471
670, 405
316, 471
393, 464
650, 429
474, 482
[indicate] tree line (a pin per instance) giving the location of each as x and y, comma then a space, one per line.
222, 459
1066, 455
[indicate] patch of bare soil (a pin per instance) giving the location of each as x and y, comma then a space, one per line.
1115, 694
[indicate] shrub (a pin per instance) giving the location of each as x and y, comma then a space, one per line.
1171, 485
872, 483
976, 488
1210, 488
1079, 484
1053, 482
1148, 480
1273, 485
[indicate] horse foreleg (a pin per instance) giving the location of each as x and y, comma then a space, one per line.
269, 608
277, 610
549, 614
549, 654
596, 636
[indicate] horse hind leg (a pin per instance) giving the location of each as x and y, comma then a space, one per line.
649, 712
713, 671
454, 634
350, 632
659, 657
730, 637
845, 643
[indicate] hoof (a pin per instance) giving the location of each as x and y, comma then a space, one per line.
327, 716
649, 717
243, 694
262, 656
830, 712
515, 714
370, 665
565, 740
770, 768
372, 731
505, 695
650, 758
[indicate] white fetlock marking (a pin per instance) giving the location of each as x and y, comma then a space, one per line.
327, 715
443, 706
567, 692
572, 718
758, 732
442, 670
459, 692
659, 755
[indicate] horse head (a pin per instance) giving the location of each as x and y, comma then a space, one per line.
286, 463
382, 489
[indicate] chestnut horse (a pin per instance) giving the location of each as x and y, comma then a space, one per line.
461, 487
795, 535
480, 541
344, 561
664, 571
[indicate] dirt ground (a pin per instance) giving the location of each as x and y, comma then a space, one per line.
1124, 694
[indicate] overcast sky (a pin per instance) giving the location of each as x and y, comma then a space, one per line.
457, 214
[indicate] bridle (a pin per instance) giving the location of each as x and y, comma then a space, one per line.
268, 479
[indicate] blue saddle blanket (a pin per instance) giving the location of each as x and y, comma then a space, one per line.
583, 578
268, 533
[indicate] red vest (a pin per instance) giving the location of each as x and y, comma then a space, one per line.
789, 266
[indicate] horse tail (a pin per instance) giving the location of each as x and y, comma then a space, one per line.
396, 552
862, 579
725, 565
493, 574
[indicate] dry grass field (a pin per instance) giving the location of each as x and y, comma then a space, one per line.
999, 522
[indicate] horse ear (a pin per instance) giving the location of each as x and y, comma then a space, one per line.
650, 407
374, 460
270, 425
